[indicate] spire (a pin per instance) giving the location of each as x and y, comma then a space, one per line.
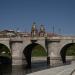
42, 30
34, 29
33, 26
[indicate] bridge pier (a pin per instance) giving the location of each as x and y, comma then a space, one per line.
55, 61
16, 53
16, 61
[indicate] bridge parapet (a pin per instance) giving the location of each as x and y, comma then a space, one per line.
16, 39
4, 39
57, 39
68, 37
38, 38
61, 37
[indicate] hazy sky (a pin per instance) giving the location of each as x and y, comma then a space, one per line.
20, 14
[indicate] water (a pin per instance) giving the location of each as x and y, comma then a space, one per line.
21, 70
11, 70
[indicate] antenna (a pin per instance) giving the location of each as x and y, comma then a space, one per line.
17, 29
25, 30
59, 30
53, 28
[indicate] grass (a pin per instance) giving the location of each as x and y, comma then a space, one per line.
38, 51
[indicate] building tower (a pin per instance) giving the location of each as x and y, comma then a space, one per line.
34, 31
42, 31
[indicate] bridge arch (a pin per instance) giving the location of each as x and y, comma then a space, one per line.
66, 50
28, 51
5, 54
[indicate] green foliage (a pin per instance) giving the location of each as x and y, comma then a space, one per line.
38, 51
71, 50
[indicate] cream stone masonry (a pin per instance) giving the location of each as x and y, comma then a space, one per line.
52, 45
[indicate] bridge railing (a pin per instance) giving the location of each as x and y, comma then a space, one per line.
61, 37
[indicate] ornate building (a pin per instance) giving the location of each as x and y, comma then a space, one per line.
42, 31
34, 31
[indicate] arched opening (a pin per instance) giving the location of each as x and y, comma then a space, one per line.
32, 51
68, 52
5, 55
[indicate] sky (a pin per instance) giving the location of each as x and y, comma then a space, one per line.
20, 15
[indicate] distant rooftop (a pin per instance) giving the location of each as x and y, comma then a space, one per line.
23, 34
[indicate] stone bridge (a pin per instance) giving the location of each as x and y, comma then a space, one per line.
55, 47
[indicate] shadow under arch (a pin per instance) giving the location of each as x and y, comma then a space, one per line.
5, 55
28, 53
64, 51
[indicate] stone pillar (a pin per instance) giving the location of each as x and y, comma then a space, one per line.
16, 54
55, 58
55, 61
